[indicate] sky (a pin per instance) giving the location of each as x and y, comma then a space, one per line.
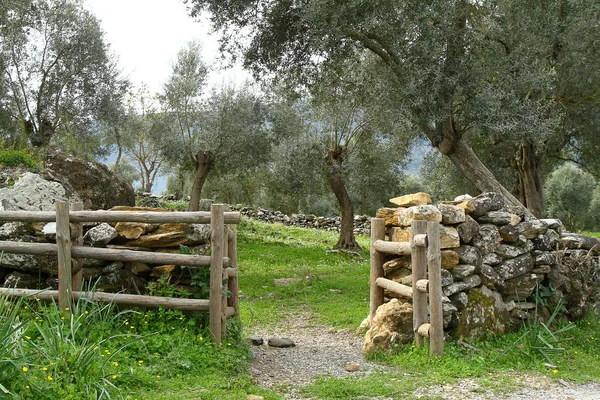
147, 34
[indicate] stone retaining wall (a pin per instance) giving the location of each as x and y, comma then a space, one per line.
495, 263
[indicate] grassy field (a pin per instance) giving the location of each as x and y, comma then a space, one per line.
166, 355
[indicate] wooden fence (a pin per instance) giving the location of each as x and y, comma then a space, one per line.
424, 249
69, 250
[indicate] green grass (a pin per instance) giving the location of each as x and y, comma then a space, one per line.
159, 354
331, 286
595, 234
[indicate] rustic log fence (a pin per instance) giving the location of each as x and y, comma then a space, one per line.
424, 249
69, 250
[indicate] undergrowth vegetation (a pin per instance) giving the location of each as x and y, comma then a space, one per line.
98, 351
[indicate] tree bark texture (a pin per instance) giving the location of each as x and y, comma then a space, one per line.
333, 161
203, 162
527, 161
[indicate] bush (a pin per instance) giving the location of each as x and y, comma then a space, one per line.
568, 193
10, 158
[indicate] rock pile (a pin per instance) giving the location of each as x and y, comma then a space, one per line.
494, 264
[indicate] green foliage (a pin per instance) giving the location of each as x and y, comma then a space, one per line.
10, 157
569, 191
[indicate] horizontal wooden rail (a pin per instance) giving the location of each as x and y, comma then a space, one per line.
120, 299
395, 287
399, 248
420, 240
232, 272
109, 254
422, 285
195, 217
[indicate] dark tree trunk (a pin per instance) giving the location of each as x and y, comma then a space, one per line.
333, 161
449, 141
119, 148
527, 160
203, 162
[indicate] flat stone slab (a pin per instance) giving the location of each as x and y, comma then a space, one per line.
281, 342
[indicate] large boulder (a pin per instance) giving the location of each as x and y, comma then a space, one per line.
484, 313
96, 185
31, 192
391, 325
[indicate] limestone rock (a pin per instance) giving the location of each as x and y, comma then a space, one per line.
447, 278
469, 255
507, 251
532, 228
491, 259
422, 213
450, 258
352, 367
498, 218
113, 267
472, 281
165, 270
122, 281
555, 224
22, 281
545, 258
487, 239
459, 300
490, 278
576, 241
481, 316
463, 197
399, 234
485, 203
16, 230
449, 237
416, 199
398, 274
173, 235
396, 263
139, 268
392, 324
462, 271
515, 267
131, 230
281, 342
521, 287
455, 287
468, 229
94, 183
389, 214
451, 214
46, 264
100, 235
541, 269
545, 242
509, 233
31, 192
467, 206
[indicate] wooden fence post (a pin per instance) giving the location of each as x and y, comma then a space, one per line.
232, 283
63, 242
419, 271
434, 262
216, 272
377, 233
77, 241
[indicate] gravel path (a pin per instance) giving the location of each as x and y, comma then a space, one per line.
321, 351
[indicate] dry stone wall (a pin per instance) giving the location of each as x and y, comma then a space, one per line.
494, 264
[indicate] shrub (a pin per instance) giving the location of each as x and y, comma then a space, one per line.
10, 157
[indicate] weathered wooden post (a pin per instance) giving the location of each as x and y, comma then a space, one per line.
215, 317
419, 272
377, 233
77, 268
436, 317
63, 242
232, 283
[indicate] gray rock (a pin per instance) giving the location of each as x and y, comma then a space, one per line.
544, 242
492, 259
113, 267
555, 224
542, 269
472, 281
576, 241
455, 288
122, 281
497, 218
507, 251
468, 229
15, 230
100, 235
490, 278
488, 239
22, 281
31, 192
460, 300
481, 316
544, 258
515, 267
447, 278
462, 271
46, 264
521, 287
451, 214
532, 228
469, 255
255, 341
281, 342
485, 203
509, 233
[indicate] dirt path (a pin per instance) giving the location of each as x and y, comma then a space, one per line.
321, 351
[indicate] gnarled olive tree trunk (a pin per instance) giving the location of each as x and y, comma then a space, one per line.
204, 161
527, 161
